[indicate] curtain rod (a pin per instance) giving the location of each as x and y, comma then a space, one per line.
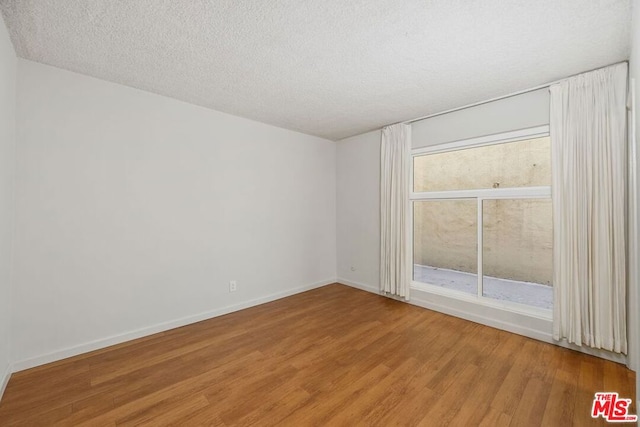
520, 92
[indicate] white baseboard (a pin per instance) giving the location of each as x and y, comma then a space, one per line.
483, 320
516, 328
358, 285
4, 380
161, 327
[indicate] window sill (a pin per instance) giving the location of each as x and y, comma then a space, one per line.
508, 306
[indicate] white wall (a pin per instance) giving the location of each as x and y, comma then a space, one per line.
135, 210
358, 199
7, 159
634, 306
517, 112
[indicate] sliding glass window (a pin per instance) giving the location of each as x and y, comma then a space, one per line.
482, 221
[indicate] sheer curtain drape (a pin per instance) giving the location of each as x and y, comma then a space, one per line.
588, 134
395, 155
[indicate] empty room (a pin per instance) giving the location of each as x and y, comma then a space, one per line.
323, 213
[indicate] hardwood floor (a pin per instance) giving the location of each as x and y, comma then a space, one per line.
332, 356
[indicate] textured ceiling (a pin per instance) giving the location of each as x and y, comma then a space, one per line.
331, 68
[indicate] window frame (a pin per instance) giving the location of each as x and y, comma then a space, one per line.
480, 195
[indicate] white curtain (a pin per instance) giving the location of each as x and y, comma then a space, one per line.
395, 155
633, 224
588, 136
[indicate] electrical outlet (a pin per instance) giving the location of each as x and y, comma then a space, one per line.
233, 286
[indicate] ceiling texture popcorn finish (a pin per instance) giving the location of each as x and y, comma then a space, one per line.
330, 68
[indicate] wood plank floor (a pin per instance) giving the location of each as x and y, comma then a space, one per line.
332, 356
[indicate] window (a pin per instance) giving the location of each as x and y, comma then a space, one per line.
482, 222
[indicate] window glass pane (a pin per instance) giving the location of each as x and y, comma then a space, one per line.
517, 244
525, 163
444, 245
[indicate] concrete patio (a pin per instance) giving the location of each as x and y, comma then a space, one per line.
533, 294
